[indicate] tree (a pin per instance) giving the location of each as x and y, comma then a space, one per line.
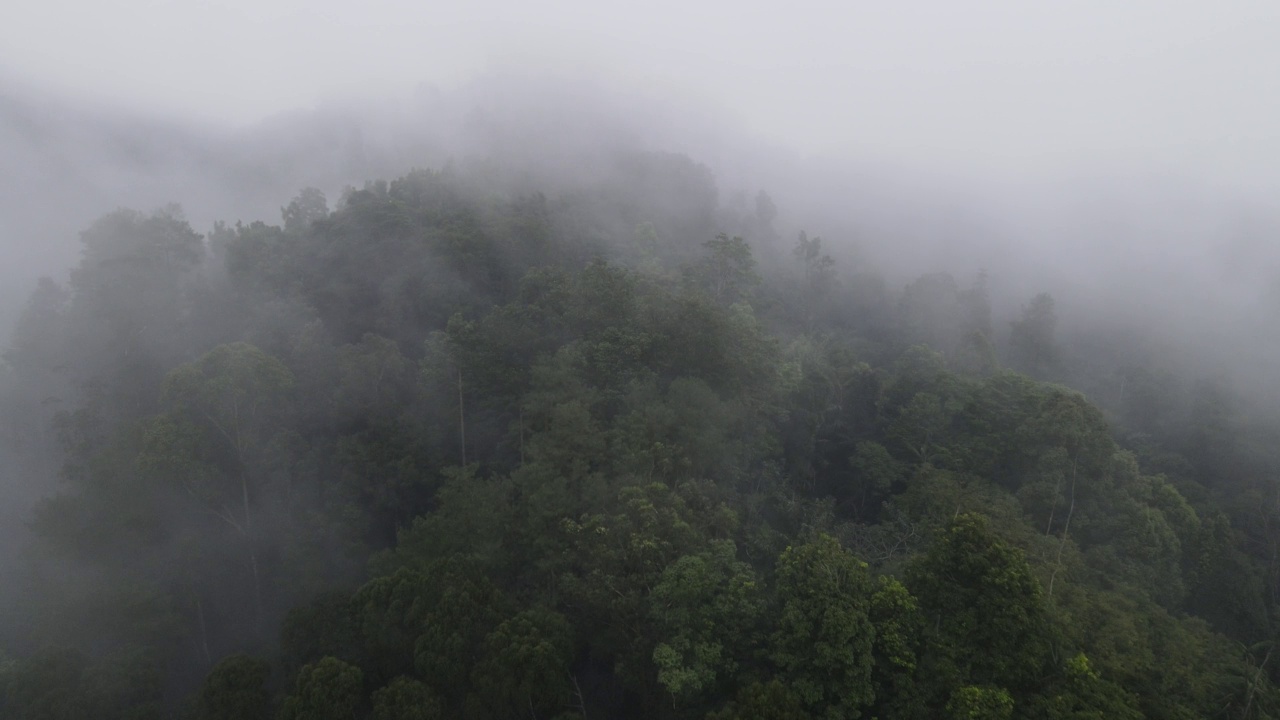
391, 613
617, 558
985, 608
406, 699
326, 626
1031, 343
824, 637
1080, 693
462, 609
35, 341
877, 470
705, 608
817, 265
129, 310
63, 684
728, 272
236, 690
766, 213
309, 206
328, 690
980, 703
818, 279
899, 629
524, 665
217, 439
772, 700
442, 371
33, 386
922, 427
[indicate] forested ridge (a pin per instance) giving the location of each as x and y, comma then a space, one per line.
466, 445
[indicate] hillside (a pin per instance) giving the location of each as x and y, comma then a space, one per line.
473, 443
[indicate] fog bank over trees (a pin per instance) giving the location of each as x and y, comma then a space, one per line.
1131, 243
540, 396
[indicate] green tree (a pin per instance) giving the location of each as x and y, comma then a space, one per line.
1082, 694
922, 427
619, 556
824, 638
899, 630
391, 612
818, 280
728, 272
327, 690
462, 608
406, 699
236, 690
524, 665
980, 703
705, 607
772, 700
985, 608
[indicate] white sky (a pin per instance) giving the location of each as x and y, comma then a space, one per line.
1191, 85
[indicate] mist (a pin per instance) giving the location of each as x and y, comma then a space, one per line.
1081, 197
1128, 237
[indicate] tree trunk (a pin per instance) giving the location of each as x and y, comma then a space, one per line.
462, 420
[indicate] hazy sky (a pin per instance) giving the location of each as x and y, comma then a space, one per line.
1189, 85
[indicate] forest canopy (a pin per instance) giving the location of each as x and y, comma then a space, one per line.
463, 445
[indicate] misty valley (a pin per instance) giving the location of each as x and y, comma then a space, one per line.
498, 440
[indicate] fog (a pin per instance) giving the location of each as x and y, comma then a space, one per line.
1006, 114
993, 85
1118, 156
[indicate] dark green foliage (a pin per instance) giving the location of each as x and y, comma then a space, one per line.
329, 625
728, 274
464, 607
61, 684
236, 690
455, 450
390, 613
524, 665
899, 630
764, 701
406, 699
1080, 693
980, 703
327, 690
985, 607
705, 608
824, 637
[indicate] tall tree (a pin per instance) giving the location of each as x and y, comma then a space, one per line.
824, 638
1032, 347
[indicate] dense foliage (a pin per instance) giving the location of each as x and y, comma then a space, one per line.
462, 449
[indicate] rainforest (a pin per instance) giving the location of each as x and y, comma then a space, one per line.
476, 441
